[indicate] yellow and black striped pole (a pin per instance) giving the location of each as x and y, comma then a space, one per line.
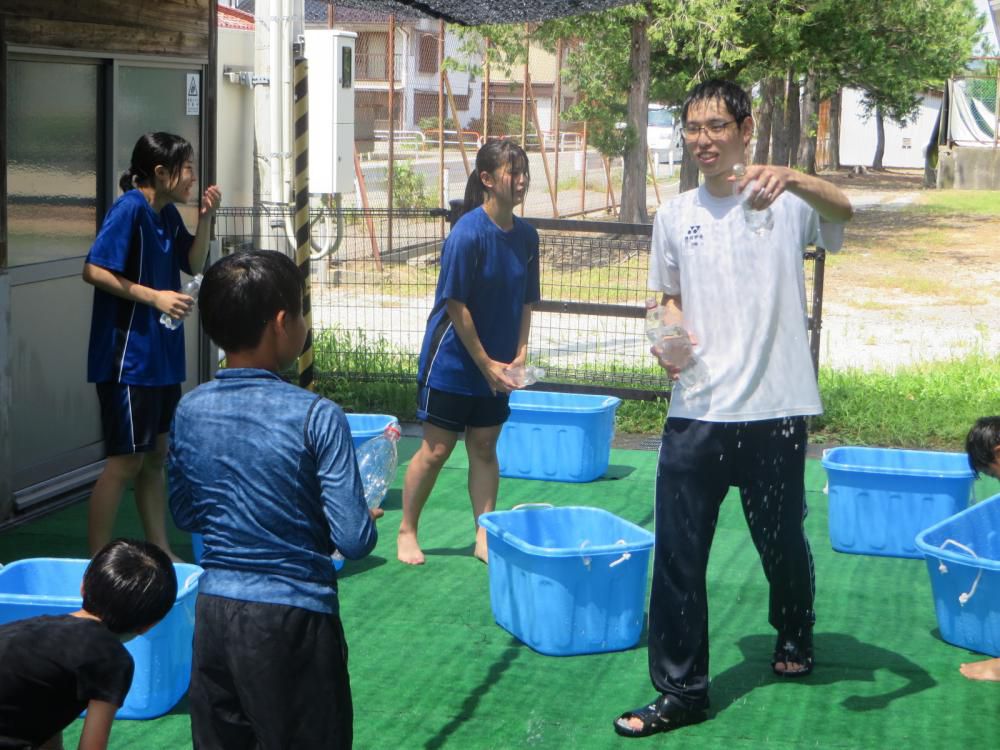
301, 152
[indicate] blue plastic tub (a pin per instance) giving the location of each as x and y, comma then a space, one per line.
963, 559
366, 426
881, 498
567, 580
562, 437
51, 586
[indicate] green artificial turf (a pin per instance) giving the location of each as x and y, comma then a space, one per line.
430, 668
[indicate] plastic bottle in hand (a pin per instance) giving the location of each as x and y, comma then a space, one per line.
672, 343
758, 222
524, 375
190, 289
377, 460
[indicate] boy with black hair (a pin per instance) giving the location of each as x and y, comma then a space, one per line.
982, 444
266, 472
53, 667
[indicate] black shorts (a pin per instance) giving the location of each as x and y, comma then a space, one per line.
455, 411
268, 676
132, 416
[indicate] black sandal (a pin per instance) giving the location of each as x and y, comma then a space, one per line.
662, 715
796, 649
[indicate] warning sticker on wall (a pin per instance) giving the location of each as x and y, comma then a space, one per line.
193, 95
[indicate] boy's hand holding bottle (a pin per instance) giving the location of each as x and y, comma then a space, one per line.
673, 346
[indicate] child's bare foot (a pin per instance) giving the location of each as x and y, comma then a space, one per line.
988, 669
481, 552
407, 549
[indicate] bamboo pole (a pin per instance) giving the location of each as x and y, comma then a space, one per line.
486, 93
458, 124
441, 119
545, 158
652, 171
558, 107
363, 189
524, 95
391, 68
610, 192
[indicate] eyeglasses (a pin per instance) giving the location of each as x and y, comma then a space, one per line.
712, 130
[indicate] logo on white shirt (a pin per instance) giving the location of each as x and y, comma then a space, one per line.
694, 236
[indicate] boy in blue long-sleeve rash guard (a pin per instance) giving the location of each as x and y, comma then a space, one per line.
266, 472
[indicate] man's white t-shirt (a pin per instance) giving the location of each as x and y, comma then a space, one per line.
744, 300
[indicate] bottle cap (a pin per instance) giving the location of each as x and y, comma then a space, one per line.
392, 431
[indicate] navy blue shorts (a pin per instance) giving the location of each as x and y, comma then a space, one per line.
132, 416
456, 411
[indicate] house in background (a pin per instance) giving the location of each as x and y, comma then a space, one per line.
905, 145
415, 68
506, 92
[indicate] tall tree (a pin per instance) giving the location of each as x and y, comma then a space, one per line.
810, 108
765, 112
792, 117
893, 50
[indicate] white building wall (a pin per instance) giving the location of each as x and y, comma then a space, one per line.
904, 145
235, 145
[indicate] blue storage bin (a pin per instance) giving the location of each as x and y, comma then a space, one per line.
366, 426
51, 586
963, 559
562, 437
567, 580
881, 498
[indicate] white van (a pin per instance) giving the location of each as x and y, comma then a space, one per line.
663, 133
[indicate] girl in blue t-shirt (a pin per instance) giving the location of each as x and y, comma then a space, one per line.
477, 328
136, 362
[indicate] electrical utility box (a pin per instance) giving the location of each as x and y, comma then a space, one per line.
330, 56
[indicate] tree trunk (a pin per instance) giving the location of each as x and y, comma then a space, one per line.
633, 205
764, 115
931, 153
792, 118
807, 139
834, 151
779, 140
689, 172
879, 138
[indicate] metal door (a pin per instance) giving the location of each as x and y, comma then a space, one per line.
71, 124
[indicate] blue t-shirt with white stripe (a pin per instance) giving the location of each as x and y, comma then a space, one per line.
127, 342
495, 274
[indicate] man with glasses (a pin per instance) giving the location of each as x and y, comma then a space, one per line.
742, 297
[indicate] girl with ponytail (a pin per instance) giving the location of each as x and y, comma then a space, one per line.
477, 329
137, 363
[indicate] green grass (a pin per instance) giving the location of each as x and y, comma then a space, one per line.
921, 406
984, 202
928, 405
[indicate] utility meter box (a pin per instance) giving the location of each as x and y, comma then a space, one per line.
330, 56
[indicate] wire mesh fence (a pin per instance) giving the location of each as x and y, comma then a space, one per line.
371, 298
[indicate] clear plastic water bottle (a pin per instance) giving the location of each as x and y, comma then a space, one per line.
524, 375
672, 343
191, 290
377, 459
338, 560
758, 222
